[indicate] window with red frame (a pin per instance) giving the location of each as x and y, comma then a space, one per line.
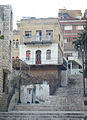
28, 55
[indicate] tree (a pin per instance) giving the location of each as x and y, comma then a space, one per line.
2, 37
81, 44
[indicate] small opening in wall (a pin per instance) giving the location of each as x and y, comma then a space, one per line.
28, 102
0, 32
17, 57
85, 102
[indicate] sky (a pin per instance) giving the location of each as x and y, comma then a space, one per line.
42, 8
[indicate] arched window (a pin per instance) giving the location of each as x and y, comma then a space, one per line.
17, 57
12, 57
17, 43
13, 44
38, 57
28, 55
48, 54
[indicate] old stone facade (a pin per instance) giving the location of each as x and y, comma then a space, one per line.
72, 23
34, 93
6, 18
15, 44
32, 27
41, 46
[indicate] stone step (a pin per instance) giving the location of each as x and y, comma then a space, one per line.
38, 107
42, 115
65, 100
3, 102
65, 91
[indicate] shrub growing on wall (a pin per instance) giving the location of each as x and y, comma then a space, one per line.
2, 37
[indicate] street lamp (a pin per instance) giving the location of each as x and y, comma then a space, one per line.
83, 72
81, 48
19, 101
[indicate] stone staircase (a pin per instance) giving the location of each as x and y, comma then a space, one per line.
45, 107
42, 115
66, 104
3, 102
69, 91
79, 61
74, 87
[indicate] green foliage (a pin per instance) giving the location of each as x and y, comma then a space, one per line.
2, 37
81, 41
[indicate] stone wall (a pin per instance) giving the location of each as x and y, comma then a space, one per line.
1, 74
5, 49
37, 74
41, 24
16, 39
51, 74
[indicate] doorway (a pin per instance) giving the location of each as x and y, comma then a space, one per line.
38, 57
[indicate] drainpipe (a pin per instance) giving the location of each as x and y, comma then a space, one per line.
19, 101
83, 72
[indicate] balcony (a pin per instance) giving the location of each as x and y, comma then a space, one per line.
38, 40
60, 63
76, 59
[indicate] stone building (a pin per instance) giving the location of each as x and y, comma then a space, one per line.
15, 46
6, 18
41, 46
72, 23
34, 93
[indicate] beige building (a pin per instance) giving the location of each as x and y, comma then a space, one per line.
6, 18
41, 46
72, 23
35, 27
15, 44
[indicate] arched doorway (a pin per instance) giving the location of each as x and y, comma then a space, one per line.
38, 57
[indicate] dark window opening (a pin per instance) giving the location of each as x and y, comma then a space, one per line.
17, 43
4, 81
28, 34
48, 55
39, 35
59, 37
0, 32
38, 57
13, 44
49, 34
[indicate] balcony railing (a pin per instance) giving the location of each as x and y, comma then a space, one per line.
37, 39
12, 92
61, 63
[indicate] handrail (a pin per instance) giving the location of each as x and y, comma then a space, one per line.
37, 39
10, 96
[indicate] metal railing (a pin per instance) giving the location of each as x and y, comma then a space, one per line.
44, 61
32, 60
10, 96
37, 39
